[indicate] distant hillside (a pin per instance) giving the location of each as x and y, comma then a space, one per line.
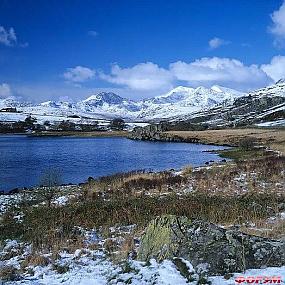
215, 107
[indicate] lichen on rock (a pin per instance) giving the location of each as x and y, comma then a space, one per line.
161, 236
200, 242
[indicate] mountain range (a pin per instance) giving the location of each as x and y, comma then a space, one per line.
181, 102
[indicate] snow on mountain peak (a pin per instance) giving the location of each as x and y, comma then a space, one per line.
177, 94
181, 89
216, 88
49, 104
107, 97
178, 101
14, 102
277, 89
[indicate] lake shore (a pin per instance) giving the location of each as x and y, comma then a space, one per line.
273, 139
26, 157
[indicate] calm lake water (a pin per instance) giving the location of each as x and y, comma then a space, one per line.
23, 159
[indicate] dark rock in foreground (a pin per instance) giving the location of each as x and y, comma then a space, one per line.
207, 245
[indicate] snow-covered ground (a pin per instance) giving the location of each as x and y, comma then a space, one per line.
90, 267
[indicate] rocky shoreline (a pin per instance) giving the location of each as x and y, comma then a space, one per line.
271, 138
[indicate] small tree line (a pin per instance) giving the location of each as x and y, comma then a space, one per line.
32, 124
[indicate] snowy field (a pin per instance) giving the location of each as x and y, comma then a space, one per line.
89, 267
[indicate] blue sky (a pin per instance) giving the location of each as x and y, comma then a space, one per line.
58, 49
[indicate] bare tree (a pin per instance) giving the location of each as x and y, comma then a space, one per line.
49, 180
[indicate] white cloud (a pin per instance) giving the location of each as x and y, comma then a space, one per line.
93, 33
215, 70
143, 76
217, 42
278, 27
79, 74
8, 37
205, 71
276, 68
5, 90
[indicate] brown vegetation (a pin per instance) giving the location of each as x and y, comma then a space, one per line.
274, 138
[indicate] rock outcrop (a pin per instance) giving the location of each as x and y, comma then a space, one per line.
150, 132
207, 245
156, 132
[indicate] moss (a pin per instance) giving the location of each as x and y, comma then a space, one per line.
158, 239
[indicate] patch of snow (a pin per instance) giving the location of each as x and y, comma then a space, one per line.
277, 123
61, 201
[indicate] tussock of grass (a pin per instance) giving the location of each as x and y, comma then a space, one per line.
35, 259
132, 183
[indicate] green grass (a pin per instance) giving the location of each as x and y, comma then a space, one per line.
240, 153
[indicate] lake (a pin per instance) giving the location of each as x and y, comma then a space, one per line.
23, 159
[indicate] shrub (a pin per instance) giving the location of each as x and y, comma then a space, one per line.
187, 170
9, 273
49, 180
247, 143
35, 259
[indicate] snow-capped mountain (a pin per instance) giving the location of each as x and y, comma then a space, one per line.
217, 104
263, 107
110, 104
277, 89
181, 100
184, 100
13, 102
178, 102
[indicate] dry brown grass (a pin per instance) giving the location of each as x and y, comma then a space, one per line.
274, 138
35, 259
187, 170
264, 175
9, 273
134, 183
265, 228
